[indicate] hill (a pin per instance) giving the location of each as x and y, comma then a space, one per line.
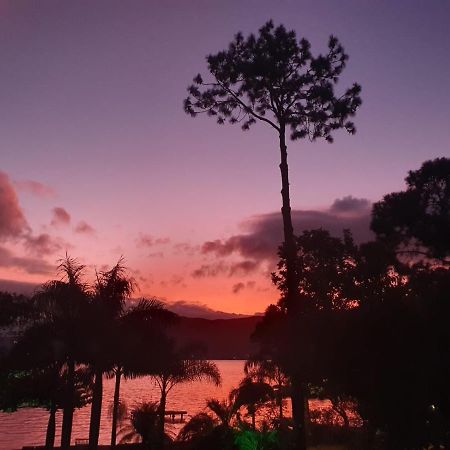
221, 338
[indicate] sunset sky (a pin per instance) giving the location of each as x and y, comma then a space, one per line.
99, 159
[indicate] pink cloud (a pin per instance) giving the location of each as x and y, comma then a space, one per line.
35, 188
43, 244
146, 240
60, 217
84, 228
12, 220
29, 265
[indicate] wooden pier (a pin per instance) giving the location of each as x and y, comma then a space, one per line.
174, 413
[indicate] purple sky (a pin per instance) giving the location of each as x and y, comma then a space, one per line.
91, 108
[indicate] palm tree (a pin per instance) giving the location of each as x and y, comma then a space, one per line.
33, 377
139, 328
63, 307
178, 369
111, 291
252, 394
224, 410
270, 372
143, 427
206, 430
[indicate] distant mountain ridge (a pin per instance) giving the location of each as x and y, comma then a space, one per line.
220, 338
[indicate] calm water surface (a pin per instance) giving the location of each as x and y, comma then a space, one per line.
28, 426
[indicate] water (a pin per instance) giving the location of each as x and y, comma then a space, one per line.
28, 426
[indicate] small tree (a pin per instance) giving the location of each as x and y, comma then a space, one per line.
274, 79
177, 370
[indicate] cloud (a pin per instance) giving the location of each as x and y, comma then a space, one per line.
36, 188
351, 205
200, 310
210, 270
243, 267
239, 268
84, 228
29, 265
12, 220
186, 248
264, 233
238, 287
146, 240
175, 280
43, 244
60, 217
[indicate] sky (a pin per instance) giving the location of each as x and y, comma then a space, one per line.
98, 158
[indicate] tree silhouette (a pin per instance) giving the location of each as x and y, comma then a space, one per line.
252, 394
112, 288
178, 369
417, 221
205, 430
274, 79
63, 307
139, 329
143, 426
269, 371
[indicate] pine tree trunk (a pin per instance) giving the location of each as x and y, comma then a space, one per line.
96, 410
115, 407
66, 432
51, 427
289, 239
298, 398
292, 282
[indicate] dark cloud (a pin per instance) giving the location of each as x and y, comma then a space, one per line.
12, 220
210, 270
238, 287
35, 188
60, 217
29, 265
243, 268
350, 205
264, 233
84, 228
146, 240
239, 268
194, 309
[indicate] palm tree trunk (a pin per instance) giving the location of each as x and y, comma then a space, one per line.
66, 432
51, 427
116, 406
162, 414
96, 410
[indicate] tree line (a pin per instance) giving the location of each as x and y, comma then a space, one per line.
73, 335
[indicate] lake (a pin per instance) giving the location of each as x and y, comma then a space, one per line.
28, 426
